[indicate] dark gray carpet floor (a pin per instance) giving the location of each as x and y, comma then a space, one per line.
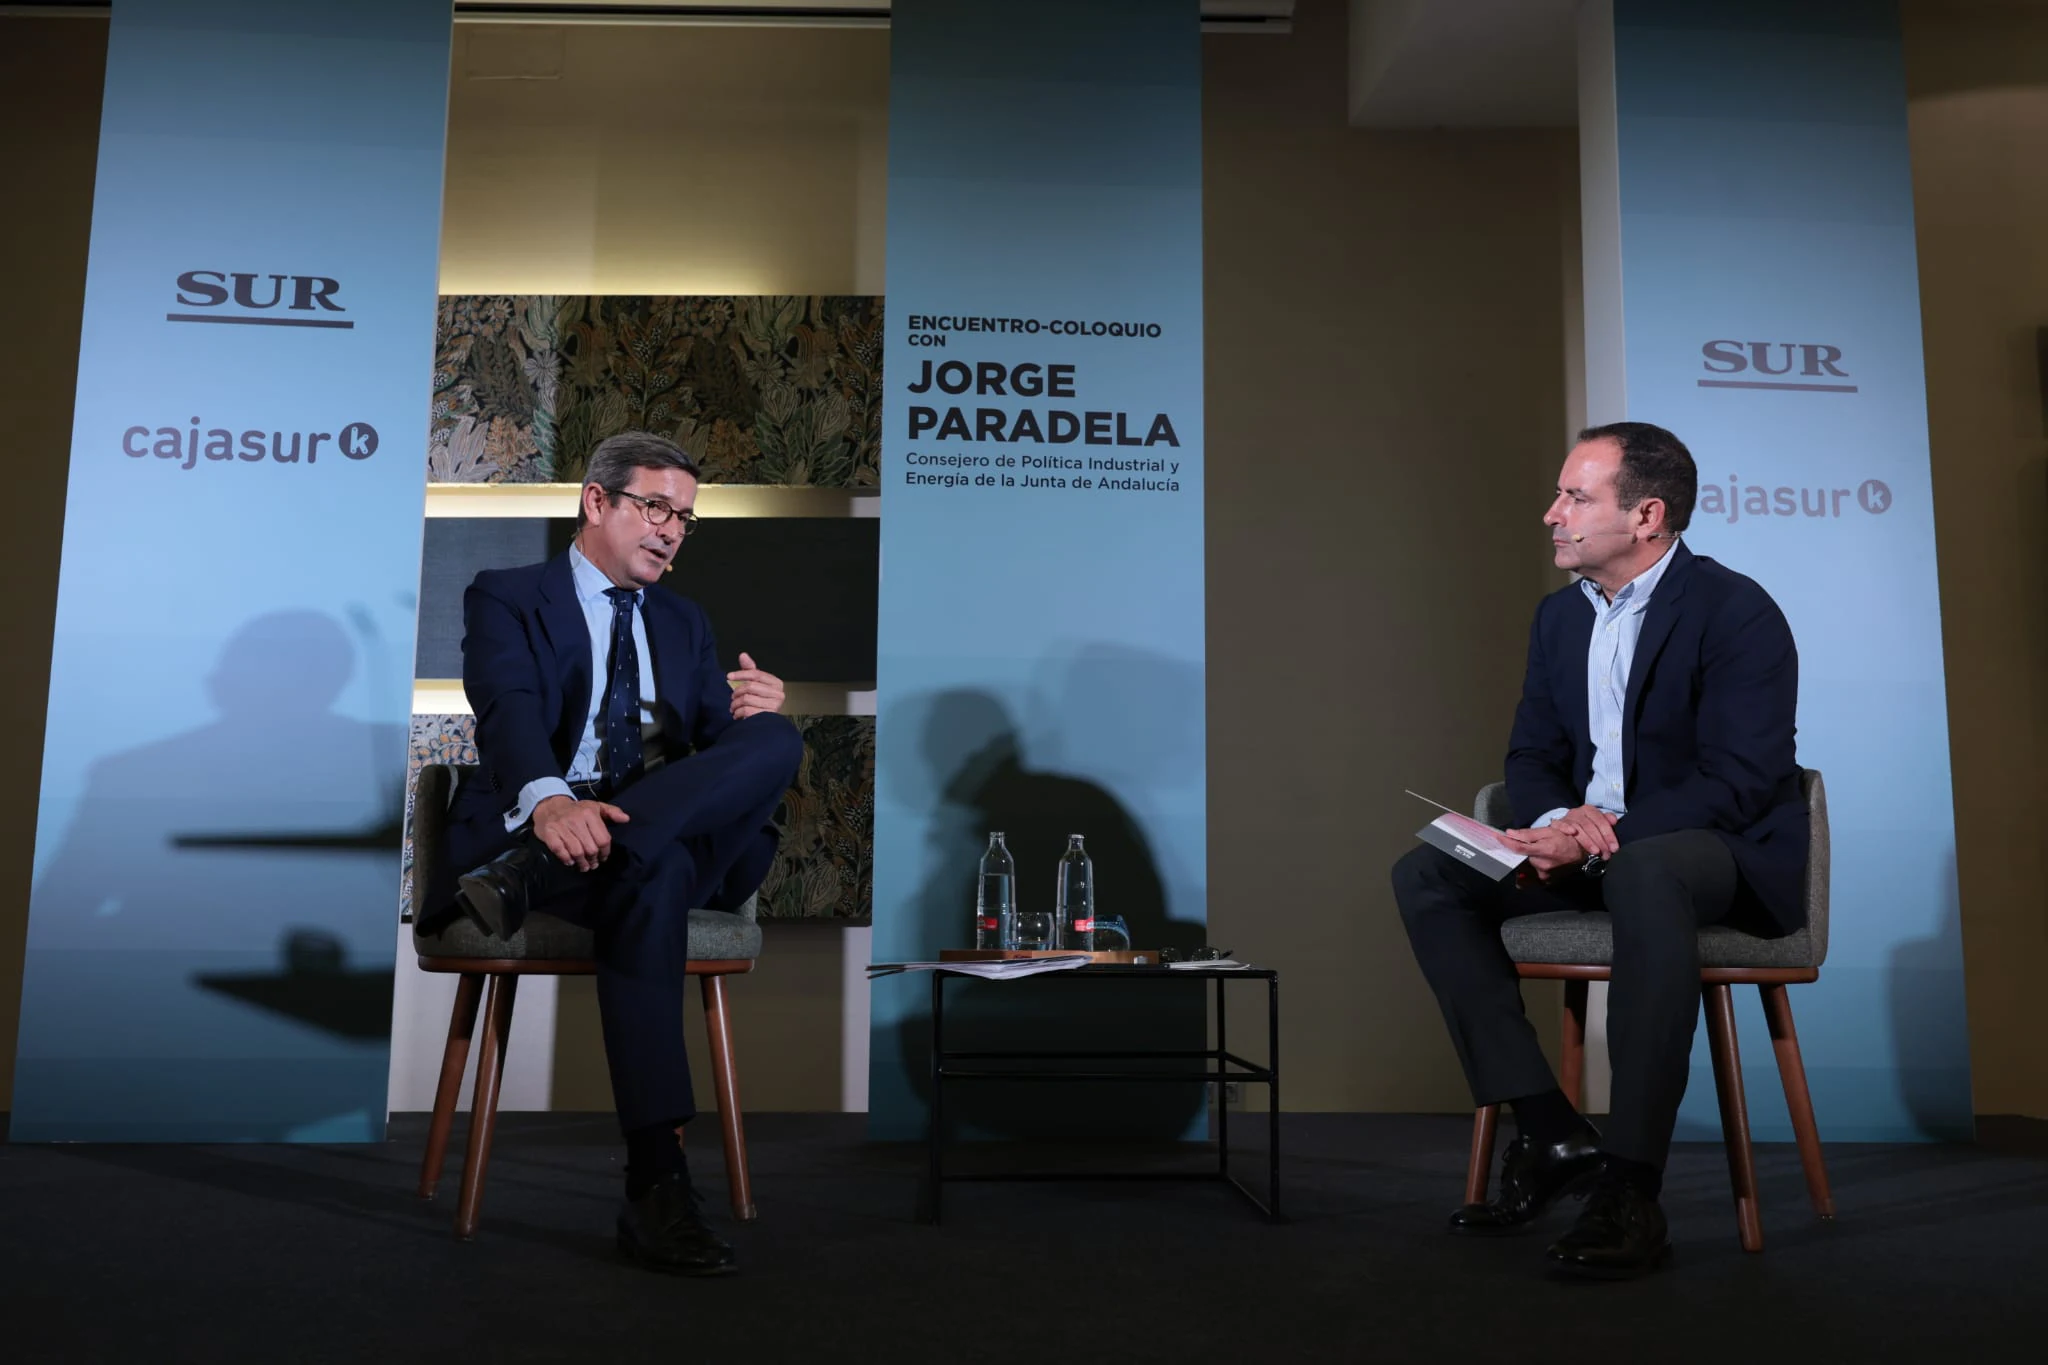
322, 1253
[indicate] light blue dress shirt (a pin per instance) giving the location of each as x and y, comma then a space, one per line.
1617, 625
591, 586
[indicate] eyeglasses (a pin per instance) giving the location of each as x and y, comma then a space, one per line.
657, 512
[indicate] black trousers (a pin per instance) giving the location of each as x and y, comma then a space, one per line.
1660, 892
699, 835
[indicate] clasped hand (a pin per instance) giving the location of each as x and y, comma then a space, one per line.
577, 832
1569, 840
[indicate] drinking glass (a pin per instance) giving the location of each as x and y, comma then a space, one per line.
1037, 929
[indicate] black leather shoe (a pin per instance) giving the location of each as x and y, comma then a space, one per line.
664, 1230
1532, 1178
497, 895
1620, 1235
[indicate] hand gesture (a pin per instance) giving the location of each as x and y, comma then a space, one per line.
752, 690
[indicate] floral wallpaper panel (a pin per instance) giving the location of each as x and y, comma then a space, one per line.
760, 389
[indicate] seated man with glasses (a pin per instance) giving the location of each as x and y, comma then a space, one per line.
624, 777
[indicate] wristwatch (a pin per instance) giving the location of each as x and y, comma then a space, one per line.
1593, 866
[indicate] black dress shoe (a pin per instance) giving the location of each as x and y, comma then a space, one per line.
1621, 1235
497, 895
1532, 1178
664, 1230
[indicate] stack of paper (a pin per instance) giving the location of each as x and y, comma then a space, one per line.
997, 969
1470, 842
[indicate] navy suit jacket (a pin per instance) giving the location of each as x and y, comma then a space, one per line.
528, 672
1707, 724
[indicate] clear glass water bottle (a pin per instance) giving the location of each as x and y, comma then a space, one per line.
995, 897
1077, 898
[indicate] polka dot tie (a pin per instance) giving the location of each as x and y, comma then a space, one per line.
622, 759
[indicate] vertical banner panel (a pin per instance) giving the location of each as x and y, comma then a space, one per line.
1770, 304
210, 943
1041, 630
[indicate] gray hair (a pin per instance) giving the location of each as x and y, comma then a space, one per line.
616, 457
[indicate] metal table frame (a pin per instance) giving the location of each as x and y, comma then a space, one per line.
1218, 1063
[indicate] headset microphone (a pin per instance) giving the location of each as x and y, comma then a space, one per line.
1578, 536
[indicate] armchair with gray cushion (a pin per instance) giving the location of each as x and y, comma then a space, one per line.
1578, 948
721, 945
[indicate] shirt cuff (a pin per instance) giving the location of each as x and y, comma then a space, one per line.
1543, 821
531, 795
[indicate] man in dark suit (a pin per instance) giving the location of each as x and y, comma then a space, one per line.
1652, 770
624, 777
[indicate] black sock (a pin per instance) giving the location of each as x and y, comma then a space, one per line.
651, 1153
1546, 1118
1647, 1179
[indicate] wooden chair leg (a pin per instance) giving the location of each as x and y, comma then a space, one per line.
1485, 1120
1798, 1100
483, 1106
1720, 1003
454, 1058
1572, 1068
718, 1024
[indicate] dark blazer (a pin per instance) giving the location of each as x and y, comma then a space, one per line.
528, 673
1707, 724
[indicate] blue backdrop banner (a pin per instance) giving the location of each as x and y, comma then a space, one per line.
1769, 308
212, 923
1041, 632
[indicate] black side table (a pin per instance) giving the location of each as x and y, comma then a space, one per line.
1218, 1064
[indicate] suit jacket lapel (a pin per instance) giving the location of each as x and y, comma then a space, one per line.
669, 642
1571, 692
1658, 620
562, 621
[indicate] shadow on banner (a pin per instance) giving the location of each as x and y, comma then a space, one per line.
212, 945
1927, 1035
978, 774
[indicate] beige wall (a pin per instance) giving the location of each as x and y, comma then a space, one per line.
608, 160
1978, 81
50, 78
1385, 338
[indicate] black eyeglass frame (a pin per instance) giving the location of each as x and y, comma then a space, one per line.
657, 512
